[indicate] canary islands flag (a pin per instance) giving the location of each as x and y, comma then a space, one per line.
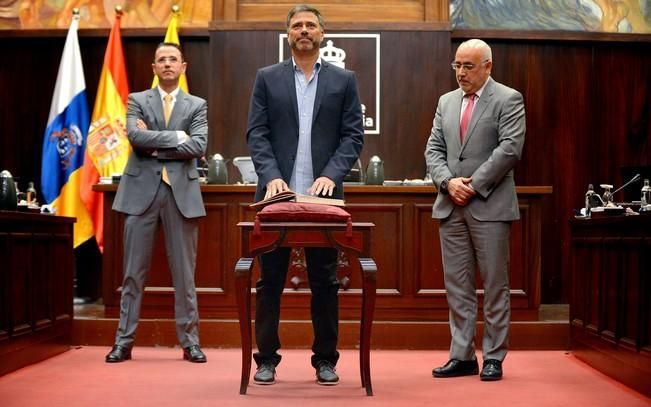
64, 143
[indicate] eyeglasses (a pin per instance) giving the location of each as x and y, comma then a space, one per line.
467, 67
164, 60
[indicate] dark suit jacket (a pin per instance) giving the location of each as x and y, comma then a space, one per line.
142, 174
272, 133
492, 147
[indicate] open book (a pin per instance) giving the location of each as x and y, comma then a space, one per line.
295, 197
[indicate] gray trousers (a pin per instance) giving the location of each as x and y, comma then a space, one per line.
181, 246
468, 244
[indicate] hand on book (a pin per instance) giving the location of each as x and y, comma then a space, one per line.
290, 195
322, 186
274, 187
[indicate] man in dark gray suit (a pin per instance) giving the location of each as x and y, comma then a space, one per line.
167, 129
476, 140
305, 132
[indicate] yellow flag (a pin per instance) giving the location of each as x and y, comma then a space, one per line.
172, 35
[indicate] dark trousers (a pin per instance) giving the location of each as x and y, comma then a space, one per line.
322, 275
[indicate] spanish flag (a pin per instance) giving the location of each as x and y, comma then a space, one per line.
65, 139
108, 147
172, 36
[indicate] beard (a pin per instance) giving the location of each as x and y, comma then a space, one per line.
299, 45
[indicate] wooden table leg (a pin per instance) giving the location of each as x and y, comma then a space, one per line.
243, 294
369, 275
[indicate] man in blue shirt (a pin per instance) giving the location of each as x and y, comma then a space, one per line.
304, 133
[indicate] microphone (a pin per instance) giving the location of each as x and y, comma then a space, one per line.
635, 178
608, 196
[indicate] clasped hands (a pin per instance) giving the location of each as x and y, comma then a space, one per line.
321, 186
460, 190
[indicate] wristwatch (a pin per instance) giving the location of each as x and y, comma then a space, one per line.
444, 186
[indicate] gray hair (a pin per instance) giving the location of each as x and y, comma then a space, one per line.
307, 8
486, 53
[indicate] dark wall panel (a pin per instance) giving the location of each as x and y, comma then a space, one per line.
588, 106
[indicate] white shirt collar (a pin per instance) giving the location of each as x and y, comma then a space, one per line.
173, 93
481, 90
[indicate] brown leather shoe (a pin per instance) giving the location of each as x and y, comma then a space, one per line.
456, 368
194, 354
118, 354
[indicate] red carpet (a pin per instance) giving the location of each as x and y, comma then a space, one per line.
158, 377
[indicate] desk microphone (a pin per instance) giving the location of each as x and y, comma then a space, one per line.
635, 178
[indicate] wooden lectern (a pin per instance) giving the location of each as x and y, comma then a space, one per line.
266, 236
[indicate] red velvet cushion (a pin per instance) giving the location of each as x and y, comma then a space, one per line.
302, 212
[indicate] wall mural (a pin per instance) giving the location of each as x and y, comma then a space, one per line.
624, 16
44, 14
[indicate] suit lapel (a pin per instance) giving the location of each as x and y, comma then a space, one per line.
321, 86
479, 109
179, 110
288, 78
156, 106
458, 100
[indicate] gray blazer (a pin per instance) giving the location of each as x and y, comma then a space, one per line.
491, 148
142, 174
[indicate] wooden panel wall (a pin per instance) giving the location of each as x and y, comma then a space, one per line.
610, 310
404, 245
35, 288
588, 103
588, 106
410, 82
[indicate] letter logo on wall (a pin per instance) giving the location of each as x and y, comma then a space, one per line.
359, 53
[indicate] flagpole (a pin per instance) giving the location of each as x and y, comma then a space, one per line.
108, 147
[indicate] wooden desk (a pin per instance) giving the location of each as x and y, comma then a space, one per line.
36, 287
610, 301
410, 289
297, 234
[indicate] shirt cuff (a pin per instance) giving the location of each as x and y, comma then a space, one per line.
181, 137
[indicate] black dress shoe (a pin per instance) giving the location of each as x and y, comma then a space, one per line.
325, 374
118, 354
456, 368
265, 375
194, 354
491, 371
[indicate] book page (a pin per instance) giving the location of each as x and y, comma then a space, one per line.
293, 196
319, 200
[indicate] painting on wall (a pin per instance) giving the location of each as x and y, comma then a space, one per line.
617, 16
48, 14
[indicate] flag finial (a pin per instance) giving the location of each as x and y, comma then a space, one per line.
118, 11
75, 12
175, 9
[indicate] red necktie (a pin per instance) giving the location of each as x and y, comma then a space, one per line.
467, 114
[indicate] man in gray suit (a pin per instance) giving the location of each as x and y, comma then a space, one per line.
476, 140
305, 132
167, 129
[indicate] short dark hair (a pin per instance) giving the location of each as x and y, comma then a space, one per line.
304, 7
170, 44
